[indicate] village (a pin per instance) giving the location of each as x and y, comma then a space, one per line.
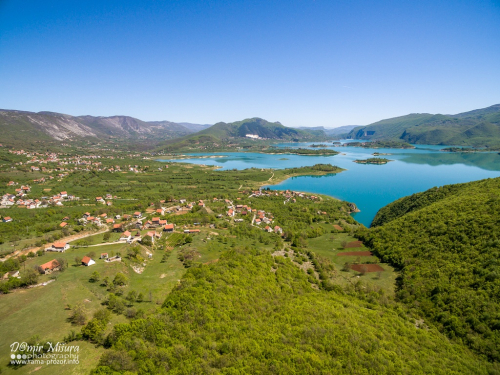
138, 227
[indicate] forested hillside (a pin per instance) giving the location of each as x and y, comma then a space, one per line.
446, 242
479, 128
414, 202
223, 133
252, 313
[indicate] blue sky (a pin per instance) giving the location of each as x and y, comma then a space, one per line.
301, 62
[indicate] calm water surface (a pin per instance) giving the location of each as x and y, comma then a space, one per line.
370, 187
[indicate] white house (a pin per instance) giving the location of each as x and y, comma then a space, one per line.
59, 247
87, 261
126, 236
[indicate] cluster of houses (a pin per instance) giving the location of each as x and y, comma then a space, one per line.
289, 195
53, 265
261, 217
80, 162
20, 200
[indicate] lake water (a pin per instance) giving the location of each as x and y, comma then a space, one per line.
370, 187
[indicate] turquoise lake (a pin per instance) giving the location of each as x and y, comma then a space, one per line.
370, 187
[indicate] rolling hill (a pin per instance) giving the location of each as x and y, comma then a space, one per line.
478, 128
236, 132
331, 132
445, 242
22, 127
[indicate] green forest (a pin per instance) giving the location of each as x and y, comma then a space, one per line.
225, 294
445, 243
250, 313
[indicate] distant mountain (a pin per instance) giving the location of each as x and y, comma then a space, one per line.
330, 131
195, 127
19, 127
479, 128
237, 131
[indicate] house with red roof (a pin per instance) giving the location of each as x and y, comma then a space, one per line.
87, 261
168, 228
59, 247
126, 236
49, 267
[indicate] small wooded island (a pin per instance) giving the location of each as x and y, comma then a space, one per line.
373, 161
380, 144
300, 151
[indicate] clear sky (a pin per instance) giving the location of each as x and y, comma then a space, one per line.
301, 62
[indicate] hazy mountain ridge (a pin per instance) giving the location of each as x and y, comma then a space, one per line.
17, 126
479, 128
331, 131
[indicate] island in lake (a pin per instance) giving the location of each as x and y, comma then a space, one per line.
373, 161
380, 144
300, 151
318, 146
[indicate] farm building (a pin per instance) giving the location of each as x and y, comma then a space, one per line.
87, 261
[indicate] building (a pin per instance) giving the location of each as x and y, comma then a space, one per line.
168, 228
49, 267
126, 236
59, 246
87, 261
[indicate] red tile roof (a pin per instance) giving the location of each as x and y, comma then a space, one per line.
50, 265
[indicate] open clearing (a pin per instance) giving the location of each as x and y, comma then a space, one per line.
355, 253
354, 244
367, 268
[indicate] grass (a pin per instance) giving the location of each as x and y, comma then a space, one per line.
330, 244
42, 311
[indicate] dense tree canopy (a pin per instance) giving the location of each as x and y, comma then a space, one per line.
446, 242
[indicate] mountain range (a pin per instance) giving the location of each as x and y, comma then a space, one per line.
19, 127
479, 128
331, 132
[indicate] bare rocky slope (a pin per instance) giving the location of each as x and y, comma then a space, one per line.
23, 126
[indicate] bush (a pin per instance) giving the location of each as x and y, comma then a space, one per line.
120, 279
